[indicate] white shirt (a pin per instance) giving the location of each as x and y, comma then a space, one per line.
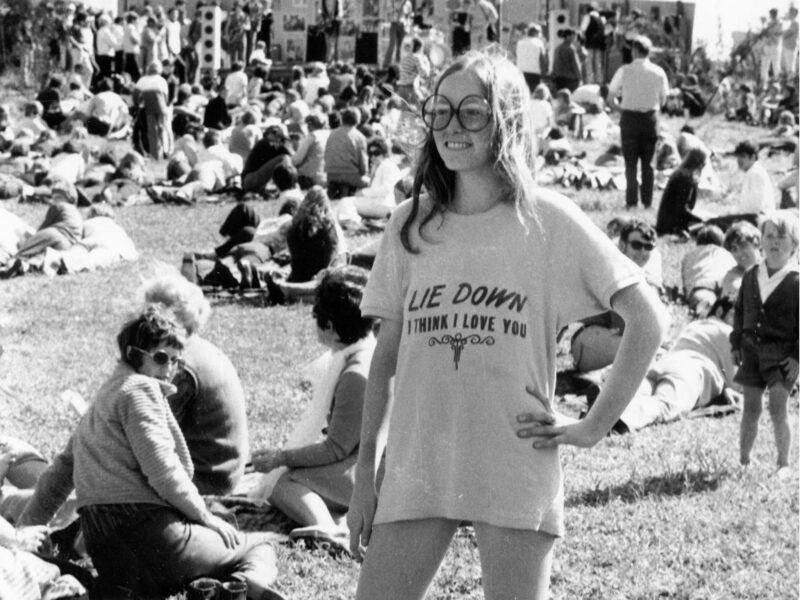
529, 53
235, 87
381, 186
767, 284
109, 107
758, 193
312, 86
588, 93
67, 166
173, 37
542, 115
231, 163
642, 85
131, 39
107, 42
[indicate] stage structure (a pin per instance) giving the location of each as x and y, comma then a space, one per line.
298, 30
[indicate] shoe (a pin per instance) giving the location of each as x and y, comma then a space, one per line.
189, 267
275, 292
319, 538
154, 194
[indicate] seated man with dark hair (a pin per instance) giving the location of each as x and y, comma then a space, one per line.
595, 344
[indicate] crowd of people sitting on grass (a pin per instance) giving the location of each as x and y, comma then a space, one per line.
331, 151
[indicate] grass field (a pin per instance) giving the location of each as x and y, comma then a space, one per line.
664, 513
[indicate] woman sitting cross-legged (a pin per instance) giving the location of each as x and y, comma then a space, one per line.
146, 526
319, 478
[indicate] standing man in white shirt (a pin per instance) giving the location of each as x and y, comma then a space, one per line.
771, 48
174, 28
106, 47
131, 46
532, 56
643, 88
789, 46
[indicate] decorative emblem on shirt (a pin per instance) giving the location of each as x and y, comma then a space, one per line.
457, 343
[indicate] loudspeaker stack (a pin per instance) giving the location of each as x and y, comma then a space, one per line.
210, 40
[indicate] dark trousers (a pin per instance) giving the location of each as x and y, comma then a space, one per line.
155, 553
97, 127
639, 133
397, 31
189, 56
242, 236
132, 67
105, 66
570, 83
532, 79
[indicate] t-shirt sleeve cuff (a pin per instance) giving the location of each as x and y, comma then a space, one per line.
381, 312
621, 284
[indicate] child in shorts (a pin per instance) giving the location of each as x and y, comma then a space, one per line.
764, 340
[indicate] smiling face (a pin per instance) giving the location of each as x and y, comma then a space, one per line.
149, 366
637, 248
778, 247
460, 149
746, 254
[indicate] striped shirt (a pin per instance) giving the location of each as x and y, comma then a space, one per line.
642, 85
413, 65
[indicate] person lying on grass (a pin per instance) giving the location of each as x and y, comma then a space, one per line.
146, 526
696, 373
61, 229
315, 488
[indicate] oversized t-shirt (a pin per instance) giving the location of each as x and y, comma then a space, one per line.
481, 305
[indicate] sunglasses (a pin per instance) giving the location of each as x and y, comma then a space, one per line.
161, 358
473, 112
375, 153
637, 245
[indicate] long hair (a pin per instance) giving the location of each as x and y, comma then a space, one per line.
513, 145
695, 159
315, 213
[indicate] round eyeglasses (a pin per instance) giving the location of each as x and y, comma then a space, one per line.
473, 112
162, 358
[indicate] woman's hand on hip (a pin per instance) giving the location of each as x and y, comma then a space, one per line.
569, 431
549, 429
362, 511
